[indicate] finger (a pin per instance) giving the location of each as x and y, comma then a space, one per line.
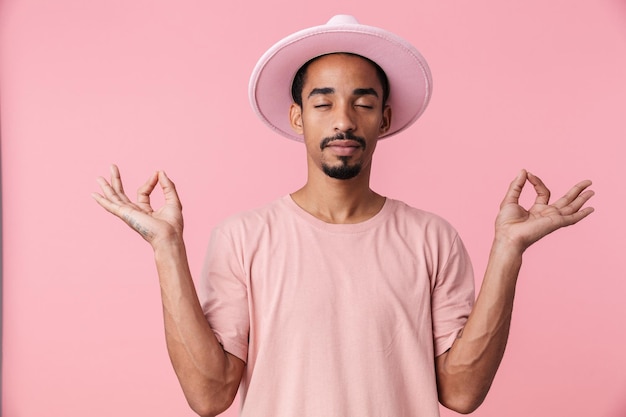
106, 203
116, 183
108, 191
169, 190
111, 200
578, 202
116, 180
143, 193
543, 193
515, 189
572, 194
577, 216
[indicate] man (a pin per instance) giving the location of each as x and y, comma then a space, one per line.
334, 300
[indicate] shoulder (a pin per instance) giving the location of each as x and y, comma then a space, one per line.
415, 218
254, 219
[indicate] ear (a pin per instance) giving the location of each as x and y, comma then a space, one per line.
295, 118
385, 124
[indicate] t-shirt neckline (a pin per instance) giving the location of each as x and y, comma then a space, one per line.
368, 224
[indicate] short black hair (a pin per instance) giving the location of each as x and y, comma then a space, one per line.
300, 78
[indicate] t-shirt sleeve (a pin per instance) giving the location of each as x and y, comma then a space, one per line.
223, 294
452, 296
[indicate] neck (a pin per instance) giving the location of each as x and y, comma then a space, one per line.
339, 201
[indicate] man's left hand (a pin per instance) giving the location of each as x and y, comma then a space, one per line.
522, 227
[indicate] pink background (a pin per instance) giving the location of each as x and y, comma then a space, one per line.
163, 85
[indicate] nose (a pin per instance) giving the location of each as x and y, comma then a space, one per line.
344, 119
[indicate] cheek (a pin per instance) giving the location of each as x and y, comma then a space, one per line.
314, 118
314, 127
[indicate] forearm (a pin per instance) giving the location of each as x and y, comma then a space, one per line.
467, 370
208, 375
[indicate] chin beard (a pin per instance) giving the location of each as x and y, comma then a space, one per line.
343, 171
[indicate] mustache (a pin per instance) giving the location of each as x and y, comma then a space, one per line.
343, 136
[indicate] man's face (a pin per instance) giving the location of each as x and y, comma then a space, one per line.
341, 116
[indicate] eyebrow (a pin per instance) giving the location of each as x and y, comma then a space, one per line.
321, 91
365, 92
356, 92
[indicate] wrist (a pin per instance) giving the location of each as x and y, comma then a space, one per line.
507, 249
504, 243
505, 261
168, 245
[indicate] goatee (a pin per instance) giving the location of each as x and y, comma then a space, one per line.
343, 171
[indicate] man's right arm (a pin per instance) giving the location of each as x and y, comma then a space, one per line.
208, 375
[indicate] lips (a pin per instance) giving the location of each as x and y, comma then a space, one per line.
344, 143
344, 147
347, 139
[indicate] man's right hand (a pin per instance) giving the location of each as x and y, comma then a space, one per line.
154, 226
208, 375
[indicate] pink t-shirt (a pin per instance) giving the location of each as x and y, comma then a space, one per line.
337, 319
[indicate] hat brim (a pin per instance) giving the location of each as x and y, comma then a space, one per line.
407, 71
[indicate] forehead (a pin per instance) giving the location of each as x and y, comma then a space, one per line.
339, 67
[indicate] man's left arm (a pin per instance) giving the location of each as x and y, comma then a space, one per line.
465, 372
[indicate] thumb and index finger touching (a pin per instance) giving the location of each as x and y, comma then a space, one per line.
517, 185
570, 204
515, 189
113, 197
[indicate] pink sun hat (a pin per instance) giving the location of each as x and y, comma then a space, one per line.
409, 77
